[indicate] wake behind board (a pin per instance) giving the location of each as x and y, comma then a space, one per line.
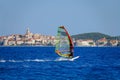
67, 59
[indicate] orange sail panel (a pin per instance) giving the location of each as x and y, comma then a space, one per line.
64, 44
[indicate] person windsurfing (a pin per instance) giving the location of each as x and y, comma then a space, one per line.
64, 44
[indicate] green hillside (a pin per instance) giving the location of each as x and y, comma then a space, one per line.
94, 36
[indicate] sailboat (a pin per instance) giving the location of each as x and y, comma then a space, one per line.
64, 45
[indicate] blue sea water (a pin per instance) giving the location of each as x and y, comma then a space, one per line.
42, 63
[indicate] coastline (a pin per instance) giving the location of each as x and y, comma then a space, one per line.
54, 46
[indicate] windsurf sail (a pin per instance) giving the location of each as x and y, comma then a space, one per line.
64, 44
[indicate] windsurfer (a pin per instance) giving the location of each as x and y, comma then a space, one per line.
64, 44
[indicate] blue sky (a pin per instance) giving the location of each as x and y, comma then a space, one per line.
44, 16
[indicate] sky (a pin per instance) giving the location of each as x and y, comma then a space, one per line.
45, 16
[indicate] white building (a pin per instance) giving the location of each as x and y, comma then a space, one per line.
114, 42
102, 42
85, 43
5, 42
11, 42
30, 42
19, 42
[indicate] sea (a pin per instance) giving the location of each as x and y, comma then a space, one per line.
42, 63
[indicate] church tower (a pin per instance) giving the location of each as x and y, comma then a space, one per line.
28, 31
28, 34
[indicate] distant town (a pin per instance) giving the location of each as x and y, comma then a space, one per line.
30, 39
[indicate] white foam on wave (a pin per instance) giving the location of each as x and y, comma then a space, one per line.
27, 60
11, 61
66, 59
2, 60
37, 60
15, 61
